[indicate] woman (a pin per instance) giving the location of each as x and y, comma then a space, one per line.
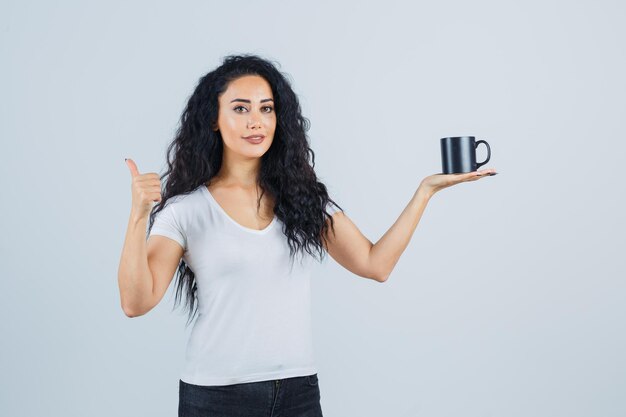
242, 203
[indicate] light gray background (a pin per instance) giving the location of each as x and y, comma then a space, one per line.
510, 298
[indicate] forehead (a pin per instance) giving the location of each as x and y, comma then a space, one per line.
250, 86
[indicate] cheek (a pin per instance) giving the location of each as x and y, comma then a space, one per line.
232, 122
270, 122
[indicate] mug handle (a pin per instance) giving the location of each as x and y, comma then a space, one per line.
479, 164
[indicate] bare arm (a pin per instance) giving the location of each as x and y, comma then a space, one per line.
350, 248
385, 254
134, 276
146, 268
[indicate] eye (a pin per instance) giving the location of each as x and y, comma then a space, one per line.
270, 108
238, 107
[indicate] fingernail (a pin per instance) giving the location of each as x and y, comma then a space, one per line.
494, 173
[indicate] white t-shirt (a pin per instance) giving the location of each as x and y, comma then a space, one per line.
254, 309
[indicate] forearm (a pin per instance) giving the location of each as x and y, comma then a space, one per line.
385, 253
134, 276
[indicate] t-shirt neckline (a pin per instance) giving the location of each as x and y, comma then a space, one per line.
214, 202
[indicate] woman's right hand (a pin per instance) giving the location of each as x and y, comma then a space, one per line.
146, 189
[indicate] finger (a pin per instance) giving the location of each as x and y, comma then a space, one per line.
474, 176
146, 180
484, 172
132, 166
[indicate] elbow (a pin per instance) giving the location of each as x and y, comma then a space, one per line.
130, 312
128, 309
379, 277
376, 270
135, 307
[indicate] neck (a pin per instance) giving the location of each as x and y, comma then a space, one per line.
242, 174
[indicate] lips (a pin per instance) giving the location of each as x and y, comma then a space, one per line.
254, 139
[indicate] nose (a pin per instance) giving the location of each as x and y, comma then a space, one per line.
254, 120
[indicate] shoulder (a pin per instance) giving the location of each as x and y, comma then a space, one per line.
185, 203
190, 197
332, 208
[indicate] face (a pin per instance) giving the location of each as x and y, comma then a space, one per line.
246, 108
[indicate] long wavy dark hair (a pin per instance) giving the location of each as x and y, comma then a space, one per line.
286, 171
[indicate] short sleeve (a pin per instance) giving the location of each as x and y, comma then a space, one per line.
167, 223
331, 208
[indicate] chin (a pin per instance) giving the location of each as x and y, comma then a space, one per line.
256, 152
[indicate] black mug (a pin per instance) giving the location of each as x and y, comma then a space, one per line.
458, 154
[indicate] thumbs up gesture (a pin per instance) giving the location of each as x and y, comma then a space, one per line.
146, 189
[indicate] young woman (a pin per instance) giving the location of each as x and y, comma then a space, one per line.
240, 218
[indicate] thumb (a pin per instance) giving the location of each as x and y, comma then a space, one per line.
132, 166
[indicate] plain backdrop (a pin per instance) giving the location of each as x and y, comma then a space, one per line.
510, 299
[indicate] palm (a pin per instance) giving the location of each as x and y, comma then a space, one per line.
438, 182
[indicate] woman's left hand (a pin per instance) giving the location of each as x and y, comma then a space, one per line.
438, 182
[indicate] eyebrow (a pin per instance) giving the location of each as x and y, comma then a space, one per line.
248, 101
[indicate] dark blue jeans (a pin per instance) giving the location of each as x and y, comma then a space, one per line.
289, 397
